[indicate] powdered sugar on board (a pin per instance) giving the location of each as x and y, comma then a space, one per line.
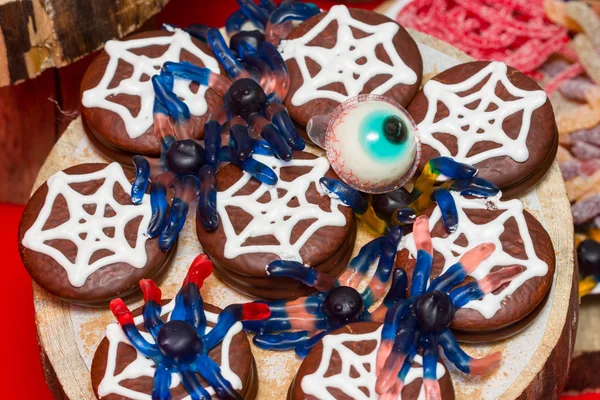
276, 370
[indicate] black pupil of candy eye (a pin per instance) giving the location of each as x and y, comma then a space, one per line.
394, 130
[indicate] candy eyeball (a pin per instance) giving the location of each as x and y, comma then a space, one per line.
372, 144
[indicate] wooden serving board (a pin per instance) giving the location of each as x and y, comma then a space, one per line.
535, 361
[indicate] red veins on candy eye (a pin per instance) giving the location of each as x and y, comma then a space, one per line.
200, 269
121, 312
151, 291
255, 311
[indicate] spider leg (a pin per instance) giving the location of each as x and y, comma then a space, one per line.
202, 76
302, 349
386, 377
463, 361
231, 315
212, 136
309, 276
404, 216
186, 189
235, 22
167, 103
429, 342
422, 271
303, 313
271, 134
188, 302
144, 169
224, 55
394, 393
383, 272
279, 116
268, 5
207, 199
392, 320
256, 65
459, 271
475, 186
258, 15
262, 147
280, 25
159, 204
359, 265
353, 199
396, 294
447, 206
152, 306
211, 372
239, 139
162, 383
281, 78
476, 290
255, 168
193, 386
280, 341
125, 318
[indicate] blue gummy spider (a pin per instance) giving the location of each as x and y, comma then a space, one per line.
421, 319
402, 210
182, 344
257, 122
275, 21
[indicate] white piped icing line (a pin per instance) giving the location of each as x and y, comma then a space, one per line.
144, 367
490, 232
339, 64
487, 123
317, 384
146, 66
276, 218
91, 226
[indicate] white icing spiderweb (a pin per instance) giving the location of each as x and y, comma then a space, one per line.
476, 234
485, 122
144, 68
277, 217
340, 64
88, 229
318, 383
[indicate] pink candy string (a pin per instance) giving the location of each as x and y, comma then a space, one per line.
568, 73
516, 32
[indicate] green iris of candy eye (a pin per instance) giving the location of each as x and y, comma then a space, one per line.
383, 136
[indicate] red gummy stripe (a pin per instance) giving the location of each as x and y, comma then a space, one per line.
200, 269
151, 291
120, 310
255, 311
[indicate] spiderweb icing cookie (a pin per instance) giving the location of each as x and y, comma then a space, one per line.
117, 96
345, 52
83, 240
291, 220
490, 116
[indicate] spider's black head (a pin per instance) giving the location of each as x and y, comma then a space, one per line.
245, 97
342, 305
185, 157
435, 311
179, 340
254, 38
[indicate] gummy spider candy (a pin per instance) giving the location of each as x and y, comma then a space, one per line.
461, 177
337, 301
256, 119
275, 21
421, 320
182, 344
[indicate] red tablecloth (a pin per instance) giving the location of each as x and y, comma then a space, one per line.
21, 373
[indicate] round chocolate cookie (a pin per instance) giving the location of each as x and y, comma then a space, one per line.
108, 385
491, 116
325, 364
520, 240
342, 53
117, 96
291, 221
83, 240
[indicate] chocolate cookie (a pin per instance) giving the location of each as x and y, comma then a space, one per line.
83, 240
520, 240
117, 96
322, 373
491, 116
114, 354
342, 53
291, 220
